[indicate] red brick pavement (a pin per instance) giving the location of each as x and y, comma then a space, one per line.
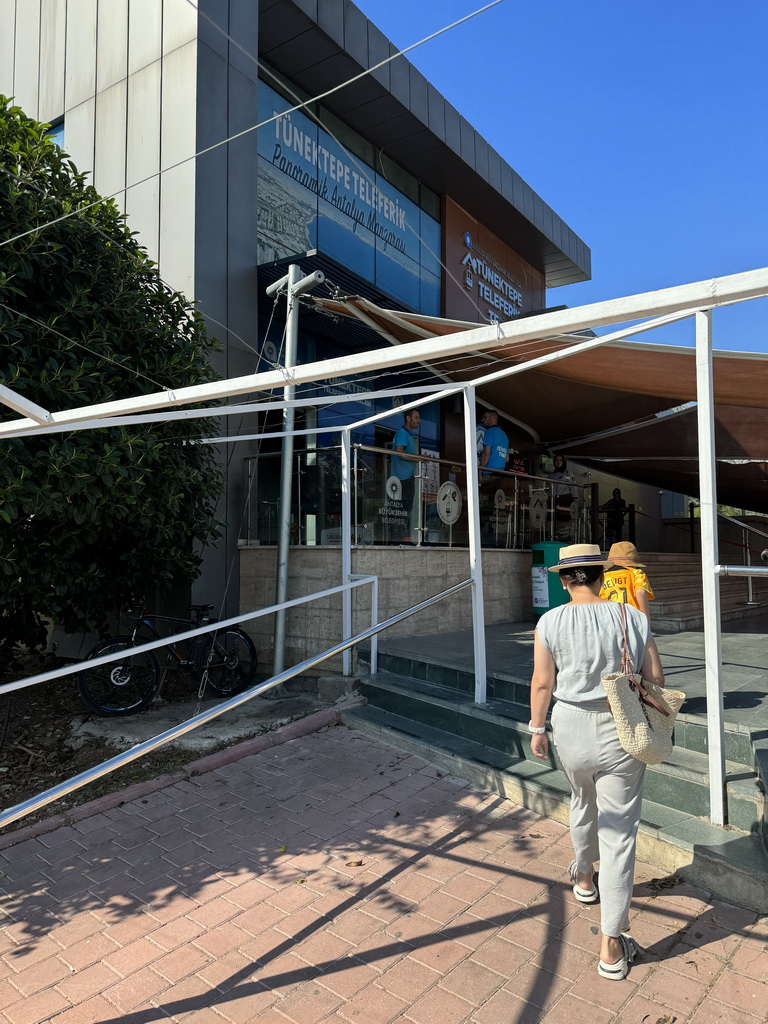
337, 879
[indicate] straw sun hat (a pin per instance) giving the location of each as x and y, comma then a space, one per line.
581, 556
625, 554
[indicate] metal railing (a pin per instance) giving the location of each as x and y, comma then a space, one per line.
522, 508
748, 569
517, 508
33, 804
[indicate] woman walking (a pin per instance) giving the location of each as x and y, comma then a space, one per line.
575, 645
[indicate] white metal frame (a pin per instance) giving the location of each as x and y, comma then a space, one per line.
664, 306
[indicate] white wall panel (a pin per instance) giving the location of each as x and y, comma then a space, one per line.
80, 133
179, 118
111, 43
143, 142
27, 56
179, 23
142, 204
7, 43
177, 228
53, 31
80, 83
109, 164
145, 33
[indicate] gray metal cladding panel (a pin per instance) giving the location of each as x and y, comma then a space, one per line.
467, 150
330, 18
280, 24
481, 156
244, 27
301, 55
452, 128
378, 50
308, 7
436, 109
396, 129
326, 74
373, 113
356, 33
419, 100
207, 34
399, 78
212, 73
494, 169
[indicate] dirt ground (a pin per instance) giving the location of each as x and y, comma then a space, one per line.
36, 752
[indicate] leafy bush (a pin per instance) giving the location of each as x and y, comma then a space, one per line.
90, 518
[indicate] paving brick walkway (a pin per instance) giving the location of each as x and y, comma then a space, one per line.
336, 879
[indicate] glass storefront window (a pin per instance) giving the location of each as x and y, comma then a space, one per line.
315, 193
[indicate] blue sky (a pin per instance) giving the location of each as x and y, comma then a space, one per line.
645, 126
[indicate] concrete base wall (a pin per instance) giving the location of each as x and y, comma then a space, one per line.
406, 577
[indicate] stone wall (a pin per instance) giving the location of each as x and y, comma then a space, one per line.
406, 577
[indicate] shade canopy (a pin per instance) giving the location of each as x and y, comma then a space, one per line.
625, 408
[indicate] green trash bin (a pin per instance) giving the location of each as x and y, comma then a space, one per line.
546, 586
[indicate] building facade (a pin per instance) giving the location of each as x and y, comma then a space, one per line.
383, 185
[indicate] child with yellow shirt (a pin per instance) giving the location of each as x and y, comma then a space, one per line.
627, 583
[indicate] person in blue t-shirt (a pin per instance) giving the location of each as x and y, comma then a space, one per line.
495, 445
404, 468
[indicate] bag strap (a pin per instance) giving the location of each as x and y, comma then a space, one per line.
635, 683
626, 661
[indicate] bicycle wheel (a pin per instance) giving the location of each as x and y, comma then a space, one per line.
230, 660
120, 687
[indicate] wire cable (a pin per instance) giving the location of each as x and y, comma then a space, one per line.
255, 127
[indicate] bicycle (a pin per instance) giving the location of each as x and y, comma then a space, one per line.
224, 662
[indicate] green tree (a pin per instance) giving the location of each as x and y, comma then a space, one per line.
90, 518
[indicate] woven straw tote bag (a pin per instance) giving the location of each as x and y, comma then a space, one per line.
644, 713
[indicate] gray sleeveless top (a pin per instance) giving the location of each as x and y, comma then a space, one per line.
586, 643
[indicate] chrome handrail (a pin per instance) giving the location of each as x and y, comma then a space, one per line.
744, 526
98, 771
151, 645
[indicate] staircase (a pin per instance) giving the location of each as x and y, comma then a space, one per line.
676, 582
488, 745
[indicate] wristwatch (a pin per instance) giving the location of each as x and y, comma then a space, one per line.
536, 730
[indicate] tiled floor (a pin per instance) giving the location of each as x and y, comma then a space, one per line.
336, 879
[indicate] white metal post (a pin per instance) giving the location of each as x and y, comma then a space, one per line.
709, 557
286, 473
475, 550
375, 622
346, 547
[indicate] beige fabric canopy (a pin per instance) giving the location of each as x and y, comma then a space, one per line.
623, 392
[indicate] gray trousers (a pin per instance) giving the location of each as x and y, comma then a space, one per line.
607, 787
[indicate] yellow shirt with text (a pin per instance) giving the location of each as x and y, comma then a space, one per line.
621, 585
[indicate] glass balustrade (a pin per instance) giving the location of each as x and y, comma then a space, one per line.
426, 507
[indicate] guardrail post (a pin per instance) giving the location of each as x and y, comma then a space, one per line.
346, 549
705, 413
475, 549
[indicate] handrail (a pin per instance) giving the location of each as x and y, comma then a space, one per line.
98, 771
744, 526
151, 645
462, 465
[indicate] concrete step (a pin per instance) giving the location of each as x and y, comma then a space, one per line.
509, 696
683, 781
729, 863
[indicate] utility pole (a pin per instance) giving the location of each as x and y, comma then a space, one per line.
294, 286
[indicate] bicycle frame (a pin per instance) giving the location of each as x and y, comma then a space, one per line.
197, 642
